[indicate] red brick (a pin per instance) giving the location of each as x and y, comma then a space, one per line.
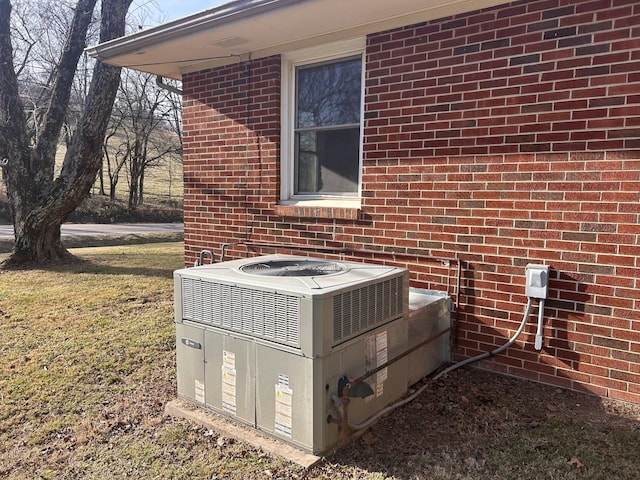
633, 395
430, 187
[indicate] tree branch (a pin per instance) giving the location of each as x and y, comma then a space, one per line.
47, 141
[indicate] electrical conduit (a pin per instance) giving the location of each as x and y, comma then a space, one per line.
538, 344
492, 352
404, 401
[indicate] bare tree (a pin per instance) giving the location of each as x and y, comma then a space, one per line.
40, 202
144, 130
114, 156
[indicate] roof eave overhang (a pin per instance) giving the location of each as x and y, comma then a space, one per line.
258, 28
193, 24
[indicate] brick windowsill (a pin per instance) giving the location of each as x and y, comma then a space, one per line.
344, 213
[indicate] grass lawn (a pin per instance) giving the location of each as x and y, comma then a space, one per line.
88, 363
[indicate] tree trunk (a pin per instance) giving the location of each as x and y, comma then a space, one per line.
134, 178
39, 203
46, 244
101, 176
133, 193
112, 188
141, 188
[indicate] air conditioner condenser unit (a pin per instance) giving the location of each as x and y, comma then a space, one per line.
266, 341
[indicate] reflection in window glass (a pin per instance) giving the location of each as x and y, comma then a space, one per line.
328, 161
327, 130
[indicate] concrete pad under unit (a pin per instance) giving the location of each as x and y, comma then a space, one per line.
181, 409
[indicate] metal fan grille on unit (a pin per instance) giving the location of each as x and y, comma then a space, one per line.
293, 268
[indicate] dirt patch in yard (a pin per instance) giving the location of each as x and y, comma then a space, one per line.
477, 424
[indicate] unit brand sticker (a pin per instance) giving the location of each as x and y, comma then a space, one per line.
370, 362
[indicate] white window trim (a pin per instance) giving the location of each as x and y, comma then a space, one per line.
290, 61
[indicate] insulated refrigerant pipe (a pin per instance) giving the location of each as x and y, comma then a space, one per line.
361, 426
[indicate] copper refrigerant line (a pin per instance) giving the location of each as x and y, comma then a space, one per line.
361, 426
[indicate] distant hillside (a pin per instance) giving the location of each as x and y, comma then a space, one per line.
162, 198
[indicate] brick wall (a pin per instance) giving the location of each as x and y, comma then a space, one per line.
502, 137
231, 154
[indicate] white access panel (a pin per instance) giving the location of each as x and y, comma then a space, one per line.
190, 363
230, 375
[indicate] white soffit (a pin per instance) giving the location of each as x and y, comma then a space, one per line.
257, 28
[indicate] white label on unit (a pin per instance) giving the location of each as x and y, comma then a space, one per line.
229, 382
229, 390
381, 358
283, 380
199, 391
370, 363
229, 359
284, 400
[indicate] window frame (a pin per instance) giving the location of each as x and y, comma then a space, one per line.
290, 62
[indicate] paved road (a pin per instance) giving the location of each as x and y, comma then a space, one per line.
96, 229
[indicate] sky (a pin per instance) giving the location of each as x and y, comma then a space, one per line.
172, 9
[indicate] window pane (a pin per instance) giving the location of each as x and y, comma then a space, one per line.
329, 94
328, 161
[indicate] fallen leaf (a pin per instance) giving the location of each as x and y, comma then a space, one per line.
576, 461
369, 438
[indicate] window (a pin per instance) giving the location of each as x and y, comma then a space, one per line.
322, 123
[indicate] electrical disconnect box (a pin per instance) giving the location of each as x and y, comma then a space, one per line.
537, 278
